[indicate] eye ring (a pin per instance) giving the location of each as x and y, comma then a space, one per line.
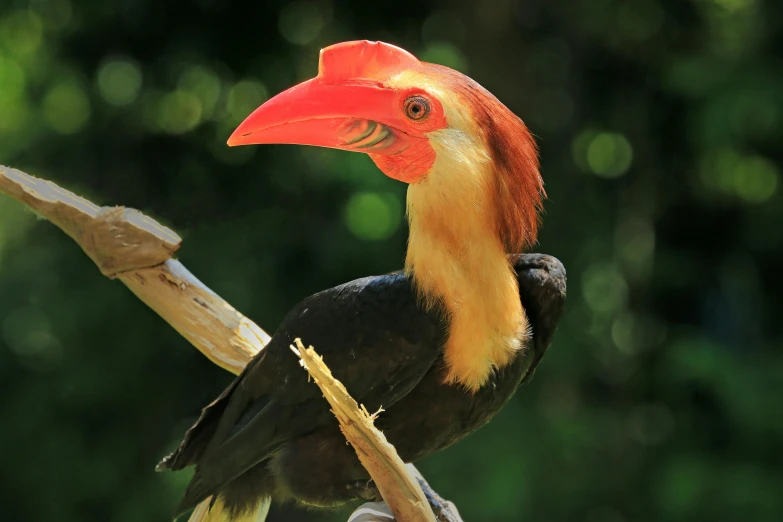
416, 107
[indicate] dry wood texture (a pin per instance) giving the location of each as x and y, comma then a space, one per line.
401, 492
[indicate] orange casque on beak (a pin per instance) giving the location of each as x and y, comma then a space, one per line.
348, 107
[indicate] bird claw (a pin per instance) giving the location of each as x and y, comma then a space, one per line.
444, 510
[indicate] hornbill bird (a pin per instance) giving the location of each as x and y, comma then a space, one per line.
441, 345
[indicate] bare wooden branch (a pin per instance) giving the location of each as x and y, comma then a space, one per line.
137, 250
402, 493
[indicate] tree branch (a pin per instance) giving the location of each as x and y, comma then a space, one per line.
137, 250
402, 493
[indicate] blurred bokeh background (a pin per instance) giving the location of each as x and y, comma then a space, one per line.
660, 124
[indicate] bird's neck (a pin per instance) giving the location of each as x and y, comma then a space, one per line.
456, 258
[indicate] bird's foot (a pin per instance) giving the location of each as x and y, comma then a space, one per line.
364, 490
444, 510
376, 510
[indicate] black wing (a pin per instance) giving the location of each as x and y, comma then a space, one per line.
542, 289
373, 337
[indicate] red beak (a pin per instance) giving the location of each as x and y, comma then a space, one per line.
358, 115
348, 107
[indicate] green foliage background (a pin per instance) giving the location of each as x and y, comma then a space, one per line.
660, 124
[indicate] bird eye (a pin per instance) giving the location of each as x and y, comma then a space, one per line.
417, 107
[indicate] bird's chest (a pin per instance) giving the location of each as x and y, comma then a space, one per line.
436, 415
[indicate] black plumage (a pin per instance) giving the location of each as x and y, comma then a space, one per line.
270, 433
